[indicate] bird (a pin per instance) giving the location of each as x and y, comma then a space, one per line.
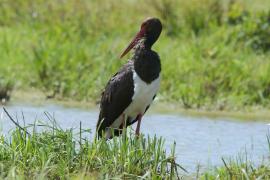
130, 92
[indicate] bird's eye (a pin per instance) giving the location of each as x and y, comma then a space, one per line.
143, 24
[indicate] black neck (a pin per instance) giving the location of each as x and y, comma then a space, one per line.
149, 41
146, 63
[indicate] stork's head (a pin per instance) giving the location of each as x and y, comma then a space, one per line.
150, 31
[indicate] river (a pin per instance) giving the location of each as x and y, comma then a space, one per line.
199, 140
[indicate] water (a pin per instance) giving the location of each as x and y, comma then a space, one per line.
198, 140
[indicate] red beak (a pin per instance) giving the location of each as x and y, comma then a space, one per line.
138, 36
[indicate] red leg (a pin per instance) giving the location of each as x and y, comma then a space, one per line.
124, 120
138, 125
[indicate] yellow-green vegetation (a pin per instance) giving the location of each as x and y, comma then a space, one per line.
215, 54
54, 153
238, 169
46, 151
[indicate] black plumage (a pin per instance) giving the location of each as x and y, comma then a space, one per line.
116, 97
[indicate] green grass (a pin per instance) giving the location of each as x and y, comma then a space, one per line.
56, 153
46, 151
238, 169
215, 54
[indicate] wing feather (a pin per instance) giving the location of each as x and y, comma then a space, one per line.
116, 97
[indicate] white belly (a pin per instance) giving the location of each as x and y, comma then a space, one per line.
143, 96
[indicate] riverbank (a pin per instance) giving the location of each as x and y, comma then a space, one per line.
199, 139
36, 97
214, 54
56, 152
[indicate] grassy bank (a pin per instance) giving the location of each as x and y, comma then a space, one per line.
55, 153
215, 54
46, 151
238, 169
37, 98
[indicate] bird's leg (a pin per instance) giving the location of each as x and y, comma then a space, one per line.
138, 125
124, 122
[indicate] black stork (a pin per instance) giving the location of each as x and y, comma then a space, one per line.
129, 93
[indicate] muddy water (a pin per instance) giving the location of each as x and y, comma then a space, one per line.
198, 140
